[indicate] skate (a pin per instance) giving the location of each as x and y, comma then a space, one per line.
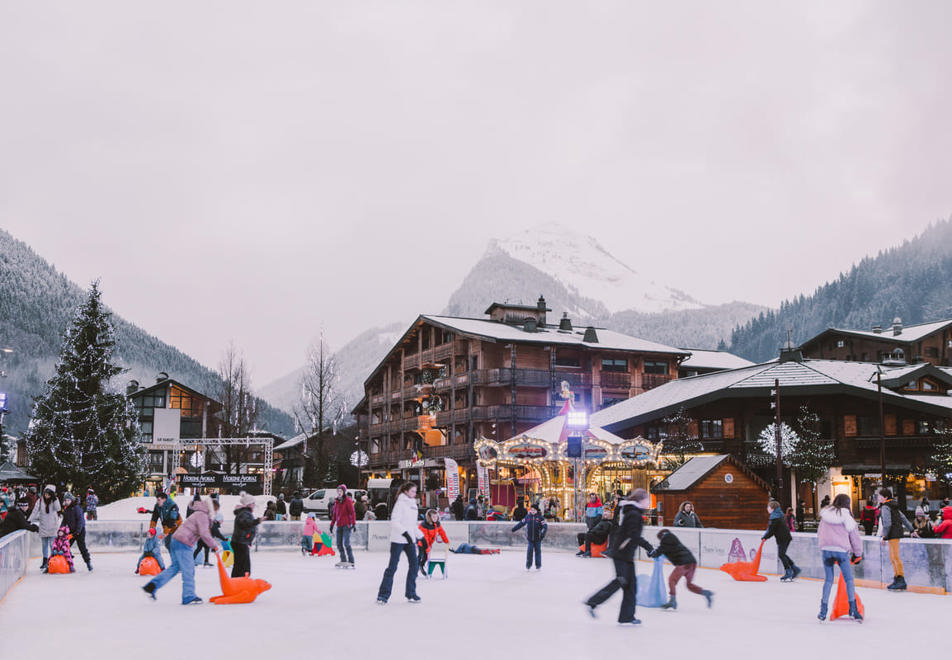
787, 576
349, 564
89, 566
796, 572
579, 553
414, 599
590, 609
899, 584
854, 612
671, 605
709, 596
339, 564
43, 565
195, 601
633, 622
149, 590
822, 615
381, 601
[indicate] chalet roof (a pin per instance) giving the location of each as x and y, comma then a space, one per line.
704, 359
293, 442
497, 331
910, 333
806, 377
690, 473
165, 382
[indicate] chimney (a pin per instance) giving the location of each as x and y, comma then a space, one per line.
897, 326
565, 325
878, 329
530, 325
132, 387
591, 337
540, 305
790, 353
161, 376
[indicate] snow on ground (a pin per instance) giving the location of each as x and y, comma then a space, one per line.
488, 606
125, 509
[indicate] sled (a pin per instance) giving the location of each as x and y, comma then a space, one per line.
746, 571
57, 564
238, 590
149, 566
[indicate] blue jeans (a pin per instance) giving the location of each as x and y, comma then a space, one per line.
843, 559
183, 562
386, 585
47, 545
534, 547
343, 544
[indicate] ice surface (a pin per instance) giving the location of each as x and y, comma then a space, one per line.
488, 607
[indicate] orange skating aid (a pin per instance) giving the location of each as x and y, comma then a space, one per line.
57, 564
597, 548
746, 571
841, 604
238, 590
149, 566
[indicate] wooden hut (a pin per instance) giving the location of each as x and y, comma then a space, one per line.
725, 493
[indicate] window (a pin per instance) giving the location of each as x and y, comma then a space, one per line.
567, 361
653, 433
923, 427
656, 367
712, 429
146, 427
866, 425
932, 351
840, 343
927, 386
614, 365
190, 406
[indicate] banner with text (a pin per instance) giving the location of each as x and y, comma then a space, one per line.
482, 478
452, 479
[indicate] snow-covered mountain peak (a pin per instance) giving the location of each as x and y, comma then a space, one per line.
583, 266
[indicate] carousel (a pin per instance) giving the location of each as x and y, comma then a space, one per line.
536, 464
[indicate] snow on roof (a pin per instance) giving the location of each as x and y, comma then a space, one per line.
688, 474
909, 333
703, 359
607, 339
551, 431
293, 442
808, 373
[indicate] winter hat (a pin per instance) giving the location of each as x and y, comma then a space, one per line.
920, 511
343, 488
152, 531
90, 490
68, 496
32, 489
247, 500
310, 514
49, 487
23, 501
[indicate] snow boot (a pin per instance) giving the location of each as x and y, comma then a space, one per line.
854, 612
709, 596
672, 604
822, 615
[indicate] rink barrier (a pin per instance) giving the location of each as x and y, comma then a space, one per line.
14, 554
927, 562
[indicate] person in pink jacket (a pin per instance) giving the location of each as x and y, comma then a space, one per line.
307, 536
196, 526
837, 535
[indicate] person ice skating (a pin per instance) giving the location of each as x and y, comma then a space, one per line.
777, 528
892, 521
944, 529
197, 526
404, 534
345, 519
686, 516
597, 535
536, 527
789, 519
869, 517
73, 518
593, 510
246, 526
46, 515
60, 548
307, 535
922, 527
280, 508
167, 513
151, 548
270, 512
92, 505
685, 564
837, 535
16, 518
432, 529
296, 506
622, 551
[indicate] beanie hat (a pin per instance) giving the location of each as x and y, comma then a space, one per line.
152, 531
68, 496
90, 490
49, 487
920, 511
23, 501
246, 500
342, 487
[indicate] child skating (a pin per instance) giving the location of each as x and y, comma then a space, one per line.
536, 528
61, 547
431, 529
685, 564
151, 548
777, 528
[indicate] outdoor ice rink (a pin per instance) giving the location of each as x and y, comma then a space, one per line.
488, 607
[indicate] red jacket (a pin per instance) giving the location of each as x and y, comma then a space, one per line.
944, 529
343, 515
430, 531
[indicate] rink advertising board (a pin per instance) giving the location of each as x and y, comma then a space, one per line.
219, 480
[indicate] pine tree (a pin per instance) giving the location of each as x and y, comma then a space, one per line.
679, 439
83, 432
940, 460
811, 455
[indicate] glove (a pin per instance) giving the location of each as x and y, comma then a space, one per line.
856, 560
353, 528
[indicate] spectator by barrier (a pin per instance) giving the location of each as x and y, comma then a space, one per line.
14, 555
928, 561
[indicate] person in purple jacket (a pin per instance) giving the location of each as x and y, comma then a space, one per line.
836, 536
73, 518
197, 526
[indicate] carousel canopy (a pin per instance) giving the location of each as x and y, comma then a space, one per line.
10, 473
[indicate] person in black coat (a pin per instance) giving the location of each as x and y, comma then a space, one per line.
296, 507
622, 551
246, 526
472, 511
597, 535
777, 528
685, 564
16, 518
74, 519
457, 508
520, 511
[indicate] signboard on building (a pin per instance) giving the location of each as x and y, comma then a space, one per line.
166, 425
219, 480
452, 479
482, 479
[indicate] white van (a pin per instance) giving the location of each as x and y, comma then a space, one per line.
319, 501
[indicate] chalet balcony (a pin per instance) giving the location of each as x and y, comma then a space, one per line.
463, 451
650, 381
376, 399
616, 380
411, 361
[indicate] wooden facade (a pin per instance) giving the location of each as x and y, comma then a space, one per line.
930, 343
728, 497
495, 379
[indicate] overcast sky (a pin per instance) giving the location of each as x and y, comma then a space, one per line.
249, 171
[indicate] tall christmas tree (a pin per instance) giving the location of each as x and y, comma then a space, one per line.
85, 434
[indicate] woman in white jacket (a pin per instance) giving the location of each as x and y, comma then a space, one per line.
404, 532
46, 515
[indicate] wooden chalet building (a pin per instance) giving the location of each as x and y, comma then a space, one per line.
731, 408
493, 377
925, 342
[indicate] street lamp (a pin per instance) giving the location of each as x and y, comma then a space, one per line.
882, 423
